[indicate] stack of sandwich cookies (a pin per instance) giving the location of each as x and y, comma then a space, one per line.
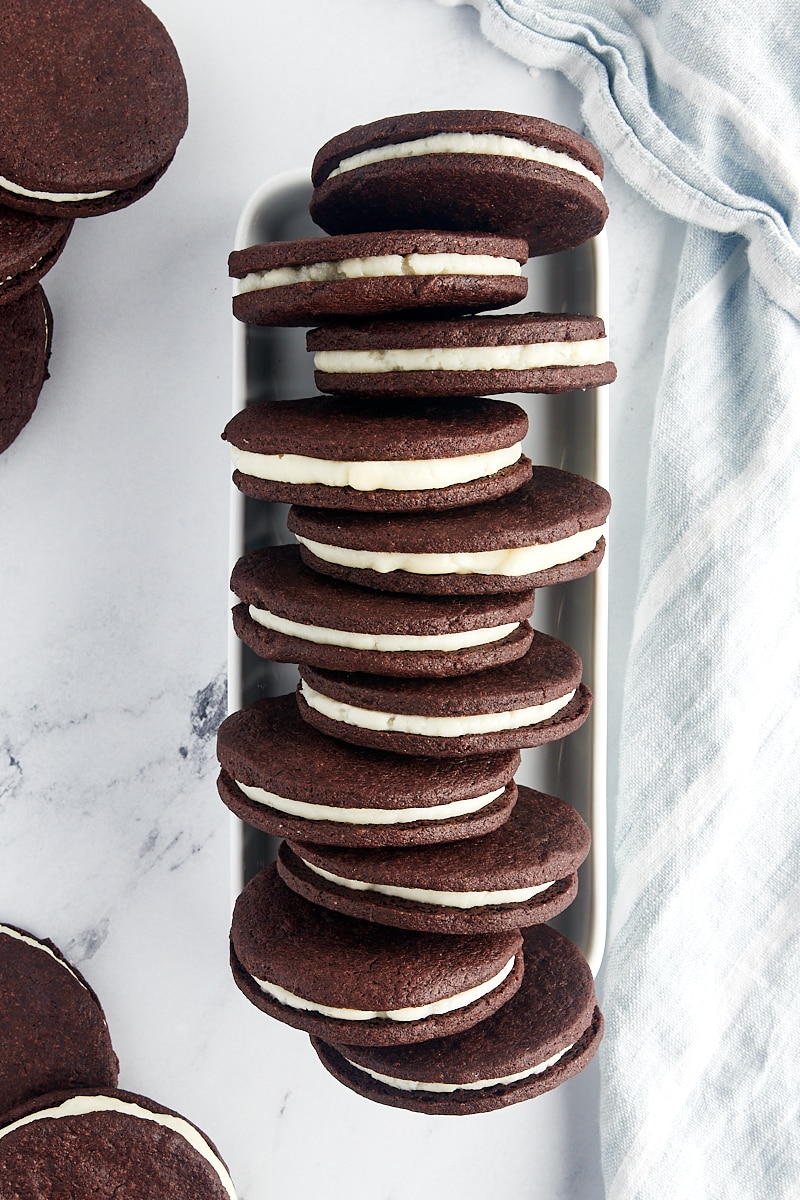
65, 1128
94, 105
423, 532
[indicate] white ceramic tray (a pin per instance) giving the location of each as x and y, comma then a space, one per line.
569, 431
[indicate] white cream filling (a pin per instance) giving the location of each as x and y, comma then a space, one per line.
56, 197
416, 1013
493, 722
413, 1085
37, 945
79, 1106
468, 143
431, 896
383, 642
529, 357
513, 561
379, 266
368, 816
400, 475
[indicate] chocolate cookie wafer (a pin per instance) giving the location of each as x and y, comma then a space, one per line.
26, 333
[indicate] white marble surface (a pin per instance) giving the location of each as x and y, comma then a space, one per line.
113, 594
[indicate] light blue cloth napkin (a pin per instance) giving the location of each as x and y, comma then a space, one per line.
697, 106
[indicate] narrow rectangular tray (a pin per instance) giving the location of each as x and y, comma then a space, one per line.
568, 431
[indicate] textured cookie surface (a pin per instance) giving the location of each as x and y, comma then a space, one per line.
514, 352
536, 699
93, 100
394, 455
107, 1144
292, 614
376, 985
314, 280
390, 552
54, 1033
26, 330
555, 203
553, 1016
29, 246
522, 874
343, 795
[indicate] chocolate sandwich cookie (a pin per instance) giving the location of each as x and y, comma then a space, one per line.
283, 777
29, 246
289, 613
539, 698
548, 1032
107, 1144
94, 104
502, 172
54, 1031
26, 332
320, 279
389, 456
522, 874
503, 352
353, 981
549, 531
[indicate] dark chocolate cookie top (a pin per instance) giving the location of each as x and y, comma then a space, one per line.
390, 430
29, 246
276, 579
343, 963
106, 1143
93, 99
409, 126
502, 329
553, 506
26, 331
267, 745
549, 670
54, 1031
307, 251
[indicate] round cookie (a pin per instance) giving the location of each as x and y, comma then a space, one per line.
373, 986
470, 169
536, 699
502, 352
289, 613
54, 1032
315, 280
107, 1144
94, 104
522, 874
548, 1032
26, 332
29, 246
549, 531
283, 777
393, 456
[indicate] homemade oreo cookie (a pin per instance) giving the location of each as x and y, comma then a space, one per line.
283, 777
548, 1032
29, 247
522, 874
536, 699
549, 531
320, 279
349, 980
107, 1144
469, 169
94, 104
290, 613
506, 352
396, 455
54, 1032
26, 331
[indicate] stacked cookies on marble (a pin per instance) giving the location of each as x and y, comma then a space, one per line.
403, 926
94, 104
